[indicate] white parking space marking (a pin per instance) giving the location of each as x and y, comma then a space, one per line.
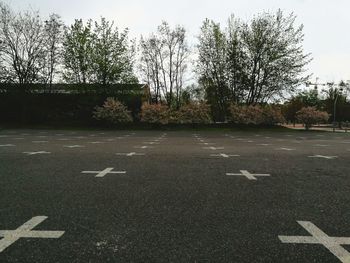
321, 145
285, 149
151, 143
130, 154
4, 136
7, 145
333, 244
206, 143
143, 147
324, 157
40, 141
104, 172
224, 155
213, 148
73, 146
264, 144
35, 153
97, 142
247, 174
25, 231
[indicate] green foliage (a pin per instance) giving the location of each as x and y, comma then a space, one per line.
112, 111
251, 62
310, 116
97, 53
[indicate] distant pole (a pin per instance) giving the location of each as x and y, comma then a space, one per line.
335, 107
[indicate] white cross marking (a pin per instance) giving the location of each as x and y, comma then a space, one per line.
25, 231
324, 157
34, 153
131, 154
73, 146
7, 145
104, 172
213, 148
224, 155
248, 175
333, 244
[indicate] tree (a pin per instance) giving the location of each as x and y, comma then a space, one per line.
23, 44
77, 54
276, 60
111, 54
97, 53
53, 49
211, 65
251, 62
164, 63
310, 115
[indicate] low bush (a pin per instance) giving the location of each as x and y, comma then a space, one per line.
194, 113
255, 115
112, 111
154, 114
310, 115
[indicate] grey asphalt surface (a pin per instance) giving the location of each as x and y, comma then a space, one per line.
175, 203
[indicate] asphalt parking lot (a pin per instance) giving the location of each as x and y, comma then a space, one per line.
174, 196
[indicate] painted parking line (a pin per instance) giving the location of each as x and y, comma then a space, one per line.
73, 146
285, 149
7, 145
213, 148
224, 155
333, 244
249, 175
104, 172
131, 154
25, 231
143, 147
324, 157
36, 153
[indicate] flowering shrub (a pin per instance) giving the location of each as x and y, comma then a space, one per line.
112, 111
309, 116
255, 115
273, 115
154, 113
195, 113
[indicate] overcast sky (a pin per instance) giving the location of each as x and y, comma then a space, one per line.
327, 22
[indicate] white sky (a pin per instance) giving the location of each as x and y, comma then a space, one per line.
327, 22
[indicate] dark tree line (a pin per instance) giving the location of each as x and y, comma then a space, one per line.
247, 62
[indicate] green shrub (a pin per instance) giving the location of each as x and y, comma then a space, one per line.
112, 111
